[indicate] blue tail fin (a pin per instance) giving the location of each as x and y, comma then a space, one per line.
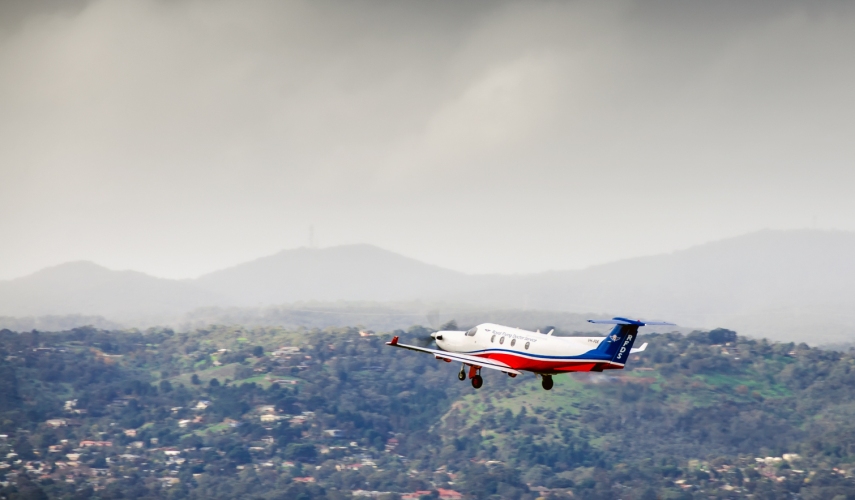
617, 345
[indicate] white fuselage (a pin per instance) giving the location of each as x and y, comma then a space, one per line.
522, 349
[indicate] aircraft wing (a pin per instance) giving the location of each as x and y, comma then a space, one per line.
463, 358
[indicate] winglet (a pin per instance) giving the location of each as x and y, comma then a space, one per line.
394, 341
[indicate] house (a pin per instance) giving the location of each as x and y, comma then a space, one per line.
88, 443
171, 453
56, 422
308, 479
267, 417
201, 405
284, 351
266, 409
131, 432
414, 495
333, 433
369, 494
184, 423
443, 495
391, 444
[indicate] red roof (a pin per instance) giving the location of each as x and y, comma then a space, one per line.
414, 495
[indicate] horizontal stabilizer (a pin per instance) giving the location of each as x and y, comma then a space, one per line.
626, 321
638, 349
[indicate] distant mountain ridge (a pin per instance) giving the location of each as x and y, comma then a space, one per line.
783, 284
87, 288
350, 272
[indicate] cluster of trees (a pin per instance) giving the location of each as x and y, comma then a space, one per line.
687, 418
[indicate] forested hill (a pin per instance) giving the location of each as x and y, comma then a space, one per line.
278, 414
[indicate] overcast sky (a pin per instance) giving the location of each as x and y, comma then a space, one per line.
179, 137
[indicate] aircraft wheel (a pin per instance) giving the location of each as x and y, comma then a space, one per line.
461, 375
512, 375
477, 381
547, 382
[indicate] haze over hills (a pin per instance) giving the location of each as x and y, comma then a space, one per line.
351, 272
87, 288
788, 285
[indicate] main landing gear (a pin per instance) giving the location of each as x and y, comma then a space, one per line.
474, 375
546, 382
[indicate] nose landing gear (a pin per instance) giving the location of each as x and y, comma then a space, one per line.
462, 374
546, 382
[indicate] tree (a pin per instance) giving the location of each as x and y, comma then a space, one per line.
195, 379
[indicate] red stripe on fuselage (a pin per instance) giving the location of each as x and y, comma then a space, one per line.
547, 366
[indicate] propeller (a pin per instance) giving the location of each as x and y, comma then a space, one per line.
424, 341
427, 336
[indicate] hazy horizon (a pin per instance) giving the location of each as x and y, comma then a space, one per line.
306, 247
177, 138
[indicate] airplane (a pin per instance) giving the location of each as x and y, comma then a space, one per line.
512, 350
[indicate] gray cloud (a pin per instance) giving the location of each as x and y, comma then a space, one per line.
179, 137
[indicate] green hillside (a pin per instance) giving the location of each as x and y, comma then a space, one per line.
228, 412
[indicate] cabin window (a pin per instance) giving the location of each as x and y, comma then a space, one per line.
513, 342
526, 345
501, 340
493, 338
472, 332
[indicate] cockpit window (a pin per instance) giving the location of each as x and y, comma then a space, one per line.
472, 332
